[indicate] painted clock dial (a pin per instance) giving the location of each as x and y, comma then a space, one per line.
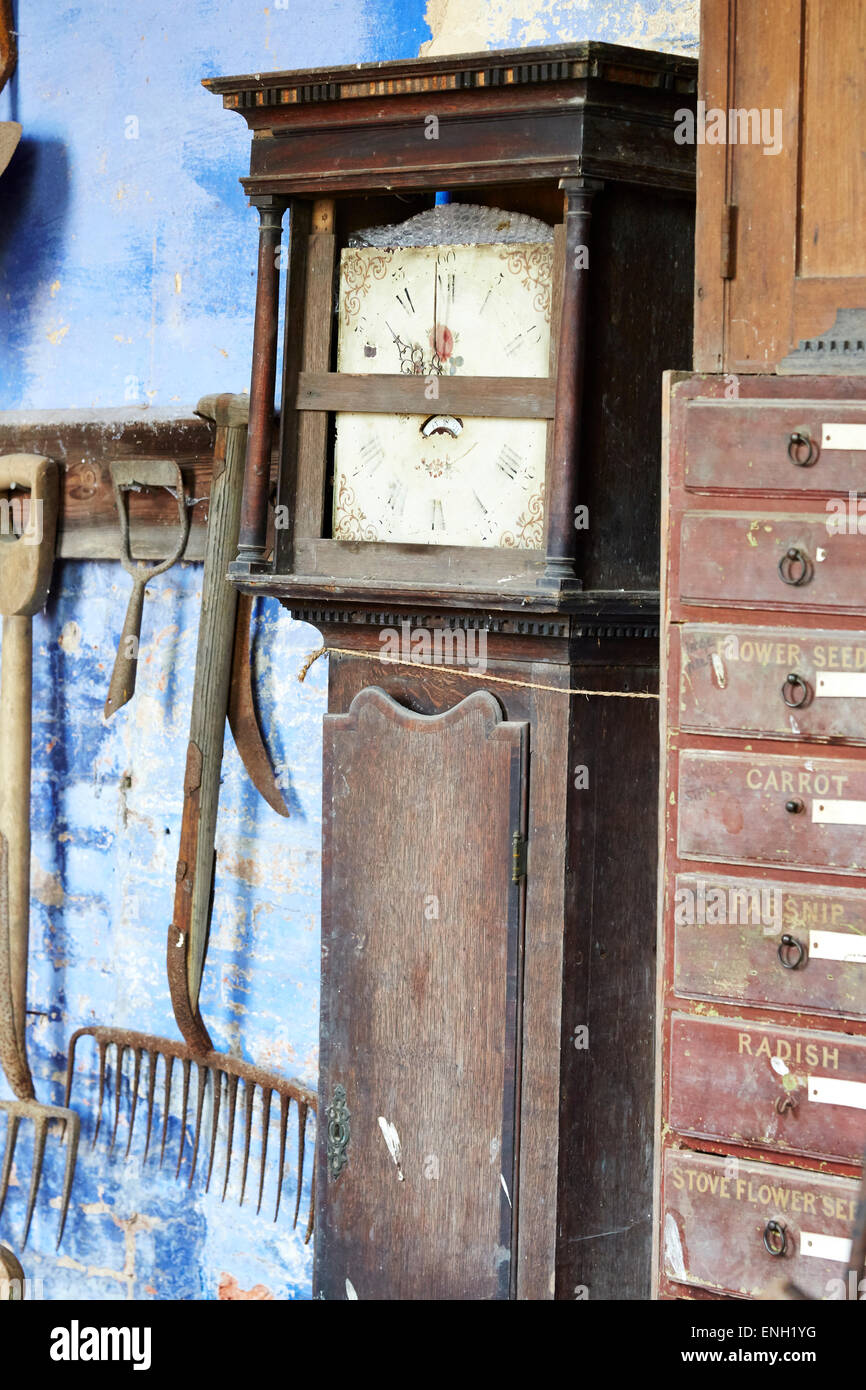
431, 311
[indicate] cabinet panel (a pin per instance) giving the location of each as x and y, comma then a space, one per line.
768, 1086
728, 944
779, 682
751, 809
716, 1213
745, 445
421, 970
771, 560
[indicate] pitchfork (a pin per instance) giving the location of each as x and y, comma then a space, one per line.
25, 577
188, 933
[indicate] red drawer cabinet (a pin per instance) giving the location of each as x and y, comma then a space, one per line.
745, 681
728, 944
761, 1056
736, 1227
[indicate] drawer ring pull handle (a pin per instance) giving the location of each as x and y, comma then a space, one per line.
798, 441
796, 683
795, 806
794, 567
787, 945
775, 1238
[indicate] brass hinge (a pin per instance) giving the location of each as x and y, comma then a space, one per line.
729, 241
518, 857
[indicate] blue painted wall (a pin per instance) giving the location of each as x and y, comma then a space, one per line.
126, 277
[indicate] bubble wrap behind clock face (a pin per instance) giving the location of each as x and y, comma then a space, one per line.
457, 224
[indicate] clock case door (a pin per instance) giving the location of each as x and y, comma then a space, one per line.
422, 927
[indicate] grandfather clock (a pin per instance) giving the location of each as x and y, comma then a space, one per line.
489, 266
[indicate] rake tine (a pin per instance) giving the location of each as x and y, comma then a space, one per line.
266, 1121
40, 1124
216, 1076
118, 1087
183, 1110
311, 1216
284, 1122
302, 1139
70, 1067
136, 1074
199, 1103
249, 1097
12, 1123
151, 1087
103, 1066
71, 1155
231, 1097
166, 1105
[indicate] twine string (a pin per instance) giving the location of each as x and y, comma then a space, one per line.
387, 660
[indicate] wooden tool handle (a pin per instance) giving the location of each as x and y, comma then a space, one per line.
122, 684
188, 933
15, 731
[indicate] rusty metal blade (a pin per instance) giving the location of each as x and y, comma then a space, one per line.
199, 1105
249, 1097
12, 1122
40, 1124
136, 1074
118, 1090
151, 1089
284, 1124
217, 1080
266, 1121
243, 720
166, 1105
183, 1109
231, 1097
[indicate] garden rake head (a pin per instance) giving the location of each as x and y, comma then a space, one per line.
215, 1071
25, 577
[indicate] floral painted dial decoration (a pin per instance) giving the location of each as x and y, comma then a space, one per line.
433, 311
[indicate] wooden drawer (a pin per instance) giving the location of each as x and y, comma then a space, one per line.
716, 1213
735, 558
735, 680
770, 1087
751, 809
728, 944
744, 445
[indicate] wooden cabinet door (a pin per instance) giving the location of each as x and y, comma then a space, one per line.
421, 992
781, 234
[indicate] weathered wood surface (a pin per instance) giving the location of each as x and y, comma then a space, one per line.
421, 967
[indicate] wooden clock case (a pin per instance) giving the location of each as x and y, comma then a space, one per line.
489, 840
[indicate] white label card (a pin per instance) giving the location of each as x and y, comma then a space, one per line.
822, 1247
849, 437
837, 945
830, 1090
843, 685
839, 812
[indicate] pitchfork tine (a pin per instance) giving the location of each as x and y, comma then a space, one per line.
284, 1122
103, 1064
217, 1078
136, 1075
12, 1123
311, 1216
302, 1139
151, 1087
40, 1124
199, 1104
166, 1104
249, 1097
266, 1120
183, 1110
231, 1097
118, 1087
73, 1131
